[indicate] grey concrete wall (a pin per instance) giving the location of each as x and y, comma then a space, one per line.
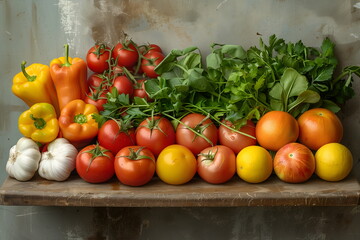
36, 31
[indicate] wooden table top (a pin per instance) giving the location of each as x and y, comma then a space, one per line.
196, 193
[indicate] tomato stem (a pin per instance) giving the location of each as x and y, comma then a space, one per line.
221, 123
191, 129
135, 155
97, 151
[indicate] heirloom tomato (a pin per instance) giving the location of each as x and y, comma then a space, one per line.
294, 163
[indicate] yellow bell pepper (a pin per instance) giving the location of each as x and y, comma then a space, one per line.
34, 85
39, 123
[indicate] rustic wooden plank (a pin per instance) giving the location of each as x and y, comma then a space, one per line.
196, 193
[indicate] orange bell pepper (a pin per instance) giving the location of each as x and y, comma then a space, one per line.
77, 124
69, 77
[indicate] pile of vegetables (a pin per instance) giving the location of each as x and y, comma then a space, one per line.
140, 109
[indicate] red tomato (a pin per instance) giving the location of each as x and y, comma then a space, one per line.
216, 164
134, 165
155, 133
150, 61
96, 80
237, 141
97, 98
123, 85
115, 135
318, 127
198, 123
139, 90
97, 58
154, 48
116, 71
294, 163
126, 54
95, 164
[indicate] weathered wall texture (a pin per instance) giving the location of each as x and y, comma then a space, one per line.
36, 30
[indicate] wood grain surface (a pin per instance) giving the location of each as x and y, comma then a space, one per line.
196, 193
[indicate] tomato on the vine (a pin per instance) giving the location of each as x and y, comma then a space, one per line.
123, 85
125, 54
234, 140
97, 58
216, 164
134, 165
115, 135
207, 133
97, 98
139, 90
150, 61
155, 133
96, 80
95, 164
154, 48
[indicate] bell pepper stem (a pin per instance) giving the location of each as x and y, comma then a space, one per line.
80, 118
67, 63
38, 122
29, 78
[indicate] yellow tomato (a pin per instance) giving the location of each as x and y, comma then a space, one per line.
176, 165
333, 162
254, 164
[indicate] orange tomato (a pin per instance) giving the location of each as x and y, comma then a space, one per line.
275, 129
318, 127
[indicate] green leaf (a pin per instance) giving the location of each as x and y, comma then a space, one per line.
307, 96
325, 75
197, 81
327, 48
152, 86
136, 112
235, 51
293, 83
124, 99
140, 101
330, 105
168, 62
213, 60
191, 60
